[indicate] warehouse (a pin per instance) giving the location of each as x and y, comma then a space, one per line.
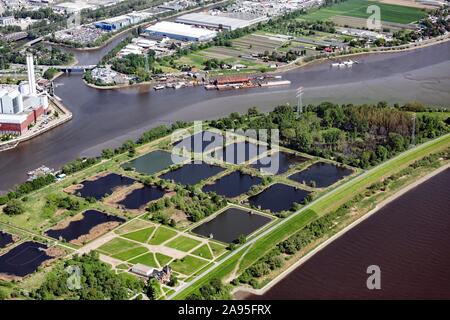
219, 22
180, 31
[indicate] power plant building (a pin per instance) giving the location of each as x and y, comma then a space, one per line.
21, 106
180, 32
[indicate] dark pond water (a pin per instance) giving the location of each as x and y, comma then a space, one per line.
278, 162
230, 224
409, 239
103, 186
23, 259
232, 185
192, 173
152, 162
75, 229
201, 142
239, 152
5, 239
140, 197
323, 174
278, 197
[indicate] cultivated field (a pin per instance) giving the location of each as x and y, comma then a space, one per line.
358, 8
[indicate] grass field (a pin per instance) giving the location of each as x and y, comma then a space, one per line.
217, 249
183, 243
162, 259
161, 235
140, 235
130, 254
148, 259
203, 252
358, 9
117, 245
188, 265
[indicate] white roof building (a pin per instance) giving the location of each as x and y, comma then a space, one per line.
180, 31
218, 21
142, 270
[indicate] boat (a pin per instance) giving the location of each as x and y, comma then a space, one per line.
276, 83
160, 87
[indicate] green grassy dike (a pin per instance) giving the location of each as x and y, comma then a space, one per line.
320, 207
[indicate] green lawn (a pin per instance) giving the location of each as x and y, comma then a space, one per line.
188, 265
358, 9
140, 235
217, 249
148, 259
203, 252
162, 259
117, 245
129, 254
183, 243
161, 235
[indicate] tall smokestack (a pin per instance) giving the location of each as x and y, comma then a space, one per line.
30, 71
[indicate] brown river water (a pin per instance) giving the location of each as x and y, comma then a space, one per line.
409, 239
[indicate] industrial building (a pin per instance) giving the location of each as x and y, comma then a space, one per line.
180, 32
7, 21
220, 22
123, 21
21, 106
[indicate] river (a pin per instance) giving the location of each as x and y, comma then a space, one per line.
409, 239
106, 118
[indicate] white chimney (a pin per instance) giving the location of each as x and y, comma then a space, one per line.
30, 71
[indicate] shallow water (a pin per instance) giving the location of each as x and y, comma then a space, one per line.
232, 185
232, 223
321, 174
23, 259
75, 229
103, 186
192, 173
5, 239
278, 162
278, 197
140, 197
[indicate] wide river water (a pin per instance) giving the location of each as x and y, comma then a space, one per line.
409, 239
106, 118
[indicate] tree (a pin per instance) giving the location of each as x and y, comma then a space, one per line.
241, 239
14, 207
153, 289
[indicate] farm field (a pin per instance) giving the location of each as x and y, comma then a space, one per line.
357, 8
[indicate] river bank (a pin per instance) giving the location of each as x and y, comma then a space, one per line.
299, 63
106, 118
243, 292
64, 116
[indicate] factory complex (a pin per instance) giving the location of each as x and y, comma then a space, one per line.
122, 21
21, 106
179, 31
220, 21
